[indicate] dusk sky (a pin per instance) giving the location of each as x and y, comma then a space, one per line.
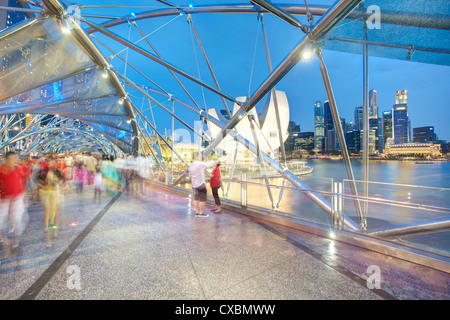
229, 40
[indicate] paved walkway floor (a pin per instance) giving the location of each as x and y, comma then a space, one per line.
125, 247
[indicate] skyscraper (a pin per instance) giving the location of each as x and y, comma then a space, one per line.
319, 128
293, 130
373, 126
359, 119
328, 117
387, 126
353, 141
304, 141
373, 104
400, 118
330, 140
348, 127
380, 135
401, 97
424, 134
330, 132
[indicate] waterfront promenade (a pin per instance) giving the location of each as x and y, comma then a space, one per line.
153, 247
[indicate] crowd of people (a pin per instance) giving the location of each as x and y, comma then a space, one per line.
45, 180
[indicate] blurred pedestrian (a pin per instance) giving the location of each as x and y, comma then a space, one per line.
13, 181
80, 176
98, 184
50, 180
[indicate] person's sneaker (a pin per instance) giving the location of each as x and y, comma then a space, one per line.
201, 215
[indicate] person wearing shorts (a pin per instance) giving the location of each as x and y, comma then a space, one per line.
197, 174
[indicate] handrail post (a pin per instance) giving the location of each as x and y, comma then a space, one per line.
244, 190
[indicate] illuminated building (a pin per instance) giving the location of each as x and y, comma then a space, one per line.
387, 126
319, 129
424, 134
412, 149
359, 119
373, 104
304, 141
400, 118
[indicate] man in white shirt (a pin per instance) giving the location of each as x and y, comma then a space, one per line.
197, 174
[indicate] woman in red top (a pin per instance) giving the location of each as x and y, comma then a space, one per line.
215, 185
13, 179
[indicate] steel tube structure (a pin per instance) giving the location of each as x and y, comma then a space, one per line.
20, 9
274, 94
316, 10
209, 64
413, 228
365, 173
387, 45
326, 23
170, 70
131, 83
316, 198
280, 13
80, 37
158, 60
338, 127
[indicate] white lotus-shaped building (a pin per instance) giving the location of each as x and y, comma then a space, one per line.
265, 128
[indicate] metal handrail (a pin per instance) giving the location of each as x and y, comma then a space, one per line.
344, 195
398, 184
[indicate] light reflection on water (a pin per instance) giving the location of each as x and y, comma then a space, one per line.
436, 174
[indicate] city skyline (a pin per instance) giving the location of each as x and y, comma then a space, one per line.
380, 115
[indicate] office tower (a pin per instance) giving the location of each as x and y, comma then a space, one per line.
359, 119
401, 97
293, 130
373, 126
410, 136
330, 131
293, 127
380, 135
343, 123
304, 141
400, 118
348, 127
319, 127
330, 140
371, 141
328, 117
424, 134
353, 141
387, 126
373, 104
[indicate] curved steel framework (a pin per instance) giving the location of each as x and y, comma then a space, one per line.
87, 123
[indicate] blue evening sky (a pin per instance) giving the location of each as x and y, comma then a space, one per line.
229, 40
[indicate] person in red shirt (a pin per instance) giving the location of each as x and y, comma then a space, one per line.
214, 182
13, 179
